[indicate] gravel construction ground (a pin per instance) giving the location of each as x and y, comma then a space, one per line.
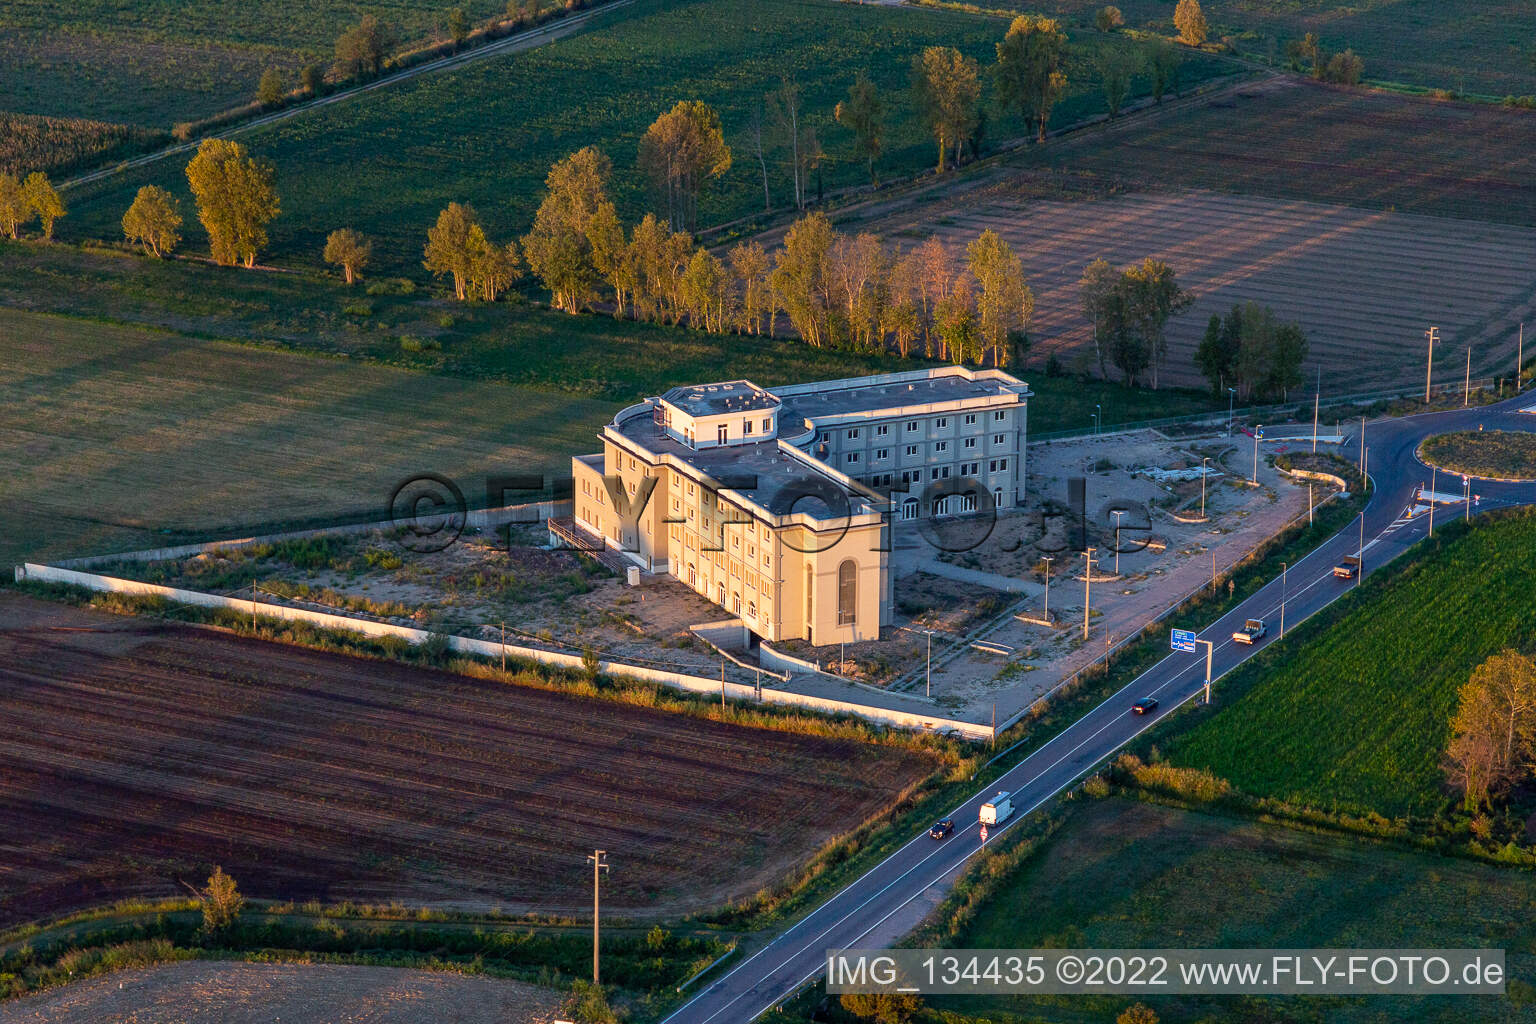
239, 993
135, 754
1363, 284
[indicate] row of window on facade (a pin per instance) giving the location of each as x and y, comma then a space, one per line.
913, 426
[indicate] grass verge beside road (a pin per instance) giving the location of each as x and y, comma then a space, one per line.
1124, 873
1349, 712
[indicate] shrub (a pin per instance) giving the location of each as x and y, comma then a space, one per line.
221, 901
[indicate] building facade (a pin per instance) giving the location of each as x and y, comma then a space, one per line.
779, 506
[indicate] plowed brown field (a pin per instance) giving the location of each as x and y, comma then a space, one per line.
136, 754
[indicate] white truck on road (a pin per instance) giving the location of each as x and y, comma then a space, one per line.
1253, 630
997, 810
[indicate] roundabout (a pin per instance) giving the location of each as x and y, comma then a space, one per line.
1507, 456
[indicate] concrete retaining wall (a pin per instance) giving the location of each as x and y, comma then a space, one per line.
480, 519
491, 649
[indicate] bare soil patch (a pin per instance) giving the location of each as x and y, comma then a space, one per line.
240, 993
135, 754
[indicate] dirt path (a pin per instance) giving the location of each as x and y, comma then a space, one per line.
240, 993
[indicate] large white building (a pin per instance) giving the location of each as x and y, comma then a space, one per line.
778, 505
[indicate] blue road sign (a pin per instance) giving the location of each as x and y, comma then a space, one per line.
1183, 640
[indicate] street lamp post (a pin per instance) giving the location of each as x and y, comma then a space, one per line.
1087, 591
1257, 430
1048, 560
1098, 417
1095, 423
1434, 473
1283, 570
1117, 513
1210, 651
1433, 334
928, 686
1231, 396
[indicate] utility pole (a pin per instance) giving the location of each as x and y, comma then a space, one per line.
722, 682
1213, 571
503, 647
598, 864
1048, 560
1311, 504
1467, 388
1433, 334
1087, 592
1362, 451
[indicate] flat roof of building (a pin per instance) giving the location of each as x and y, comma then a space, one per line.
863, 396
761, 472
724, 397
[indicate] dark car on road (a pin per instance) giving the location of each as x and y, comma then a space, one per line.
942, 829
1145, 706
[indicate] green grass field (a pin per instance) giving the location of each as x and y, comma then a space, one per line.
1350, 711
1126, 874
157, 62
386, 163
586, 356
113, 438
1477, 46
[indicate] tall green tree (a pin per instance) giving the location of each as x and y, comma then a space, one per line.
1216, 355
749, 269
1251, 349
235, 197
946, 89
1030, 72
492, 267
1153, 297
1116, 67
801, 277
1166, 64
43, 200
448, 251
458, 27
559, 246
349, 250
363, 49
863, 114
153, 220
1189, 19
271, 90
680, 153
15, 210
1005, 303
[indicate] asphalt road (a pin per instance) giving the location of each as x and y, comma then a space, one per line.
891, 898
